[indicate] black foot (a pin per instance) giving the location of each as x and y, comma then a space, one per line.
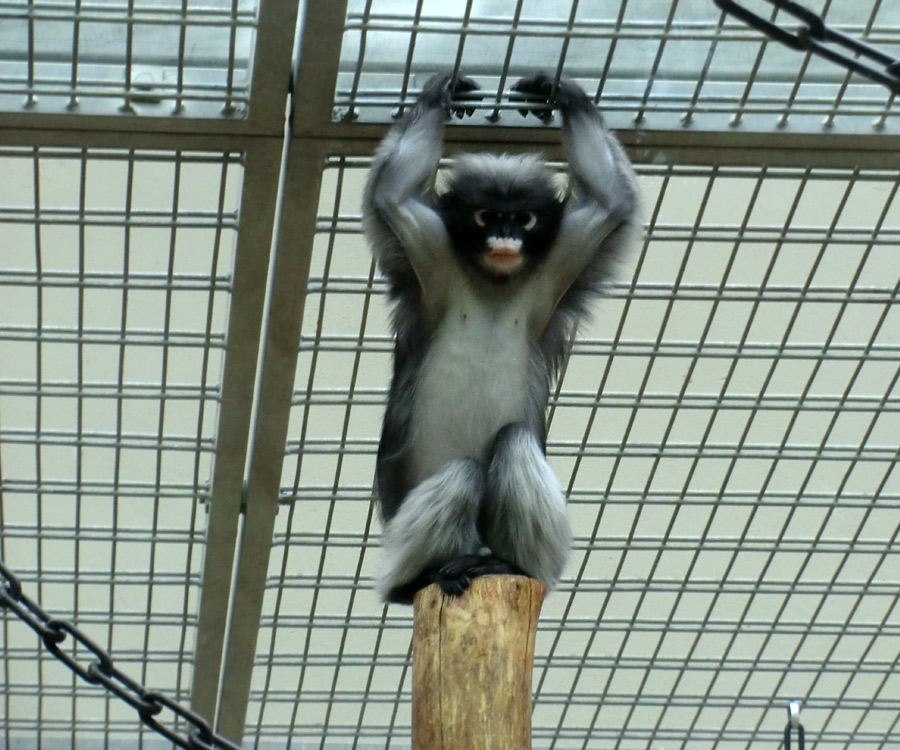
454, 576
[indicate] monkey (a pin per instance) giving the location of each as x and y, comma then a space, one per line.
487, 278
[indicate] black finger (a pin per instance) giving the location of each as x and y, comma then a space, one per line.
464, 84
538, 85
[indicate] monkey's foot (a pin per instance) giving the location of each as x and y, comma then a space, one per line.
454, 576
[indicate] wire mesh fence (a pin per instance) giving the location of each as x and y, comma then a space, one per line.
725, 427
114, 292
726, 431
657, 64
119, 57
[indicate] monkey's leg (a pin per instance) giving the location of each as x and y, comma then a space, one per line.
436, 522
524, 518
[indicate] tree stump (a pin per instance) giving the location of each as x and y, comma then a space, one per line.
473, 658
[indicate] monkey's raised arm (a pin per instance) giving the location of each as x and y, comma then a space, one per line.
398, 205
603, 198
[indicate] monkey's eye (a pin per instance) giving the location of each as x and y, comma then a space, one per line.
484, 216
525, 219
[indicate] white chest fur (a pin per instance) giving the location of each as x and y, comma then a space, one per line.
473, 382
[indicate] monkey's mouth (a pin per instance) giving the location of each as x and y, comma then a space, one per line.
504, 254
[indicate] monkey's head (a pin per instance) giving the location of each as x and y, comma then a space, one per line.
502, 212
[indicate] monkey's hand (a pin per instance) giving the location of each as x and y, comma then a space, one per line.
452, 96
542, 88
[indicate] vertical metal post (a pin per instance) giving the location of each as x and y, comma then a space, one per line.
304, 162
242, 345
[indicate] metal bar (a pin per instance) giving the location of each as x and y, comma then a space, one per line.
681, 146
108, 139
271, 72
302, 175
460, 49
510, 45
610, 54
703, 75
335, 489
654, 68
301, 441
31, 99
251, 265
870, 23
76, 33
751, 79
410, 53
38, 405
686, 292
586, 435
798, 80
182, 46
564, 50
79, 406
103, 117
120, 401
99, 12
287, 297
198, 480
229, 106
351, 114
684, 146
316, 79
126, 105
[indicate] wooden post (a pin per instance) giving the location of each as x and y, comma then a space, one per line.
473, 657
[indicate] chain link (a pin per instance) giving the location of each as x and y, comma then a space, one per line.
101, 671
815, 36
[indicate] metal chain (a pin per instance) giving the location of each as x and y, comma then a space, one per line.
815, 36
101, 671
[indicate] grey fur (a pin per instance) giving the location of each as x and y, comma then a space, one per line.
461, 463
436, 521
525, 512
501, 173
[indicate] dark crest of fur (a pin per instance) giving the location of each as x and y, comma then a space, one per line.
503, 182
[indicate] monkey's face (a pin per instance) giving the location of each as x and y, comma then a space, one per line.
503, 239
502, 213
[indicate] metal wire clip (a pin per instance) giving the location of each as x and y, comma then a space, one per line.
815, 36
792, 724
